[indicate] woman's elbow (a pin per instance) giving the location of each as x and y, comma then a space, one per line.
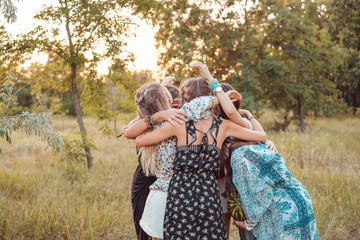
263, 137
138, 142
232, 114
129, 135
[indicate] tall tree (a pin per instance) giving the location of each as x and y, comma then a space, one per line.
297, 67
74, 31
214, 32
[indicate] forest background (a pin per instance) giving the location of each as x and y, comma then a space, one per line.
296, 63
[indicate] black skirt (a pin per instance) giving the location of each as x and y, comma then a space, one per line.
139, 192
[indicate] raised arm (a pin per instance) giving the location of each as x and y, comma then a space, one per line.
230, 110
224, 100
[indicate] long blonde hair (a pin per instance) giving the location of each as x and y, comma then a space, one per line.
151, 98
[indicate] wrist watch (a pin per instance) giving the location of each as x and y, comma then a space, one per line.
218, 89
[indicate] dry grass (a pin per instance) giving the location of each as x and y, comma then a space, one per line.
42, 197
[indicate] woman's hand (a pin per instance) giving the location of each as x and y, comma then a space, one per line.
168, 80
203, 70
125, 128
239, 224
234, 95
269, 144
172, 116
245, 113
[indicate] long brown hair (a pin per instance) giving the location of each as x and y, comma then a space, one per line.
229, 145
151, 98
194, 87
174, 91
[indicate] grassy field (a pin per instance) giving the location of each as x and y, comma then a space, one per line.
44, 197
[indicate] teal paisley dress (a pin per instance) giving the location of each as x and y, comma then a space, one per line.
271, 195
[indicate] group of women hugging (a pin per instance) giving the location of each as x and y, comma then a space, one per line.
195, 143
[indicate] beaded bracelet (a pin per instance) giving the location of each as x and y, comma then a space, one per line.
148, 121
213, 84
213, 101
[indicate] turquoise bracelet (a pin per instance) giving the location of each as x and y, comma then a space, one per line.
213, 84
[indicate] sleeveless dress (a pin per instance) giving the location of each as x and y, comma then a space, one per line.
271, 195
152, 210
193, 209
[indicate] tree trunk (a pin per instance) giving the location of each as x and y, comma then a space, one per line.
356, 98
76, 93
113, 103
301, 116
79, 117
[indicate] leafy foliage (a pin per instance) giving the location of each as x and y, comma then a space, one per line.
344, 29
9, 10
72, 31
31, 123
73, 150
274, 52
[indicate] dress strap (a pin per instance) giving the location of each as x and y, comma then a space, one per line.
187, 134
215, 123
190, 130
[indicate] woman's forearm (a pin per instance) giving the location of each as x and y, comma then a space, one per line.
173, 116
230, 110
256, 125
136, 128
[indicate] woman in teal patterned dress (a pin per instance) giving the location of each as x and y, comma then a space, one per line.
276, 204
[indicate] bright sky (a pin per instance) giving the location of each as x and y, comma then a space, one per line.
143, 45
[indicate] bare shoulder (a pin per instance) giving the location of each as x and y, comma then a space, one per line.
179, 127
226, 123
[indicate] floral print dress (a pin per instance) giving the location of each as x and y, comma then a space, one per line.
271, 195
166, 150
193, 208
154, 209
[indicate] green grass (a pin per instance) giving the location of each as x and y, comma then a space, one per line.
42, 197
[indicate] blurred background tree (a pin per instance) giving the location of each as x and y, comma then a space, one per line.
33, 124
298, 58
71, 33
344, 30
277, 53
9, 10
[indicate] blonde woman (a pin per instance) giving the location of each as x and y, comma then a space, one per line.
141, 180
